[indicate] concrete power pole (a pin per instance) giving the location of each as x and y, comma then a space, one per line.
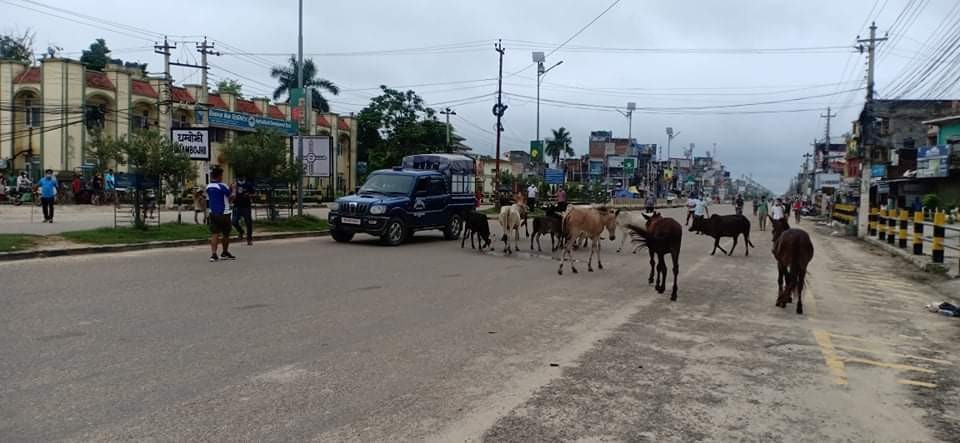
498, 109
866, 122
826, 138
304, 112
166, 103
205, 49
448, 112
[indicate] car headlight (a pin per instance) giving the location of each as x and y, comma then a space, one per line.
334, 206
378, 209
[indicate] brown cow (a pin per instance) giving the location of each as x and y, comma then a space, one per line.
793, 251
661, 236
591, 223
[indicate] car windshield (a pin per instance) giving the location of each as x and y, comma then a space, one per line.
388, 184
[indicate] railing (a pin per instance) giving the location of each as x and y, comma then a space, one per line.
845, 213
893, 227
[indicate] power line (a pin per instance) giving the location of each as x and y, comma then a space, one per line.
94, 24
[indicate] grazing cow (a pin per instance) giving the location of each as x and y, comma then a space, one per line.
625, 218
510, 221
719, 226
793, 251
661, 236
589, 222
476, 224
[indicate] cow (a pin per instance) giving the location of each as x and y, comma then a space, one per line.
719, 226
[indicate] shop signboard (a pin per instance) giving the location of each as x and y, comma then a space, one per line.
933, 161
239, 121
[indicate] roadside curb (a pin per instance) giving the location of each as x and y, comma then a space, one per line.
922, 262
104, 249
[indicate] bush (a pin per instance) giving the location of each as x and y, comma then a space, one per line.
932, 201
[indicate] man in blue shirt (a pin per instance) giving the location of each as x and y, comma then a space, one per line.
218, 203
110, 186
48, 192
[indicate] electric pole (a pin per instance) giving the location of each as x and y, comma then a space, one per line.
165, 101
304, 113
448, 112
866, 122
205, 49
498, 109
826, 139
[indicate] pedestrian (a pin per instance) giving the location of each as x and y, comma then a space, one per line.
702, 210
777, 211
738, 204
797, 206
24, 186
650, 204
243, 192
691, 207
762, 210
756, 206
561, 196
95, 199
218, 198
48, 194
3, 187
76, 186
110, 186
532, 196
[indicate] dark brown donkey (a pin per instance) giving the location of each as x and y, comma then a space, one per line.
793, 250
660, 236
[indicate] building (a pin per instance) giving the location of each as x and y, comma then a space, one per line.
49, 113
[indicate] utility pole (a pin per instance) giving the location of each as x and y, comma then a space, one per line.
826, 139
165, 101
304, 113
866, 122
448, 112
806, 173
498, 109
205, 49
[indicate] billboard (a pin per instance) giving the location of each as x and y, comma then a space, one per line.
316, 155
825, 180
553, 176
195, 142
536, 151
596, 167
239, 121
933, 161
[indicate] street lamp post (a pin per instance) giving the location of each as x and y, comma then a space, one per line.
539, 58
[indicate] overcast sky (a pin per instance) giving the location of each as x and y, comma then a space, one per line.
765, 144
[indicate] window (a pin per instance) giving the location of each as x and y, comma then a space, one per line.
33, 115
94, 116
423, 185
141, 121
218, 135
438, 186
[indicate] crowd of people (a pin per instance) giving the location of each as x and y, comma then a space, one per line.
764, 208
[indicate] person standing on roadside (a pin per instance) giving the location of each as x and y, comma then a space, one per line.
702, 210
48, 194
218, 198
650, 204
777, 212
110, 186
762, 210
97, 196
24, 186
532, 196
243, 192
797, 206
76, 187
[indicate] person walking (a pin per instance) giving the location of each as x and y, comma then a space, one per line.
650, 204
797, 206
48, 194
756, 206
738, 204
97, 196
218, 198
24, 186
110, 186
532, 196
762, 210
76, 186
777, 211
691, 207
702, 210
243, 192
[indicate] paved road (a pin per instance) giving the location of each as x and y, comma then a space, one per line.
313, 340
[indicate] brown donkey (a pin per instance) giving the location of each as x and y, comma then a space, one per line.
661, 236
793, 250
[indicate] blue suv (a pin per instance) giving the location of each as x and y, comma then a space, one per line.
429, 192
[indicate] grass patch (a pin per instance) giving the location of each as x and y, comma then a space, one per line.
16, 242
292, 224
164, 232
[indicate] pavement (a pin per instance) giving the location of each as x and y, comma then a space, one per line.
312, 340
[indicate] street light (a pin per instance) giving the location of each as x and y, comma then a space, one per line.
539, 58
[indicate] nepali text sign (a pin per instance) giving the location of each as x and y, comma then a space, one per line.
239, 121
933, 161
194, 142
316, 155
553, 176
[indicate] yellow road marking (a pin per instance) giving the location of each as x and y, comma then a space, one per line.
888, 365
878, 342
830, 356
922, 384
812, 301
892, 354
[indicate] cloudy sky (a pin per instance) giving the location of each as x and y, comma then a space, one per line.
682, 61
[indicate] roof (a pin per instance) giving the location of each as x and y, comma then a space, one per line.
406, 171
275, 112
31, 75
943, 120
342, 124
214, 101
247, 107
181, 95
322, 121
99, 80
140, 87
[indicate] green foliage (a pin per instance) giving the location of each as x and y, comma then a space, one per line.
17, 47
97, 57
262, 155
287, 78
396, 124
932, 201
559, 145
16, 242
102, 152
231, 86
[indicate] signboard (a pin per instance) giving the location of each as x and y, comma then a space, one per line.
536, 151
239, 121
316, 155
878, 170
553, 176
298, 105
195, 142
824, 180
933, 161
596, 167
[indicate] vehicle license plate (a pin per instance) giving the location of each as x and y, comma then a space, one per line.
351, 221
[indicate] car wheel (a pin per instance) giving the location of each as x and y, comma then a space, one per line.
395, 232
454, 227
341, 236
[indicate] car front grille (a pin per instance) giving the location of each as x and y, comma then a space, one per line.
354, 208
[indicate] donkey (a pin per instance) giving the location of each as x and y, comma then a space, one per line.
510, 221
552, 224
476, 225
660, 236
589, 222
793, 250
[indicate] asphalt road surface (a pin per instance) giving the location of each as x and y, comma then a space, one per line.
313, 340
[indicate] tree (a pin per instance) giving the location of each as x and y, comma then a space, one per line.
97, 57
102, 152
287, 78
559, 145
230, 85
264, 157
17, 47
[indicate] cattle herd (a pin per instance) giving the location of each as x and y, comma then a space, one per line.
580, 226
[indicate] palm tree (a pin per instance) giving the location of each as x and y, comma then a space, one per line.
287, 78
559, 145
